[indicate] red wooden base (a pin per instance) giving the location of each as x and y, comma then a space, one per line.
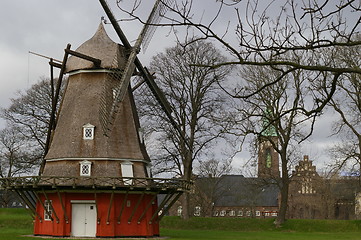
117, 214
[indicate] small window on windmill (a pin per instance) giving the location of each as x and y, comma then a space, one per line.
88, 132
85, 168
197, 211
179, 211
47, 211
127, 172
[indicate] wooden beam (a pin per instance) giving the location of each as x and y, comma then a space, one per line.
110, 207
96, 207
42, 204
135, 208
123, 206
62, 206
53, 120
147, 207
54, 64
169, 206
96, 61
51, 205
30, 197
26, 202
165, 200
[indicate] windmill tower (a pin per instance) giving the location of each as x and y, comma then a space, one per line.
95, 179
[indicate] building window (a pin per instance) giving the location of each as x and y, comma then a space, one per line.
248, 213
127, 172
274, 214
232, 213
197, 211
88, 132
240, 213
179, 211
258, 213
85, 168
223, 213
268, 158
216, 213
48, 212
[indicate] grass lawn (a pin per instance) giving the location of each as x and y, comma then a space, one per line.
14, 223
261, 235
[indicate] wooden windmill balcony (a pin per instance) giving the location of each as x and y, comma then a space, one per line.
160, 185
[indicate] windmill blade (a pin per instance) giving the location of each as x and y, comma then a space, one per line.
148, 78
130, 67
160, 10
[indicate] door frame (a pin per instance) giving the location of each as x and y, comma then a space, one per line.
72, 202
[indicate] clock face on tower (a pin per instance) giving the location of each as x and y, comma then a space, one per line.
268, 158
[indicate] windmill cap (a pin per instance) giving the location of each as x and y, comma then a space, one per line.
100, 46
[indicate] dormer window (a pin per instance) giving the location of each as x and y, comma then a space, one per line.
85, 168
88, 132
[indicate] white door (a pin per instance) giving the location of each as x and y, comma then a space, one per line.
83, 223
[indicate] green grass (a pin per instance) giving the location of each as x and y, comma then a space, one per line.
14, 223
262, 235
252, 225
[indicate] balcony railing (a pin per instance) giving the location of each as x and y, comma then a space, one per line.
121, 183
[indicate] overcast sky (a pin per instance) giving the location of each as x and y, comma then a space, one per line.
47, 26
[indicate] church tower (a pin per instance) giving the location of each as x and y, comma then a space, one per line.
268, 158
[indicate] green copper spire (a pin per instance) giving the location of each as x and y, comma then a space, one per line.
269, 130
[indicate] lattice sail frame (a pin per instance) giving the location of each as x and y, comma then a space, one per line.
108, 113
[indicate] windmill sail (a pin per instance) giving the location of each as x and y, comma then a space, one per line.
124, 76
160, 8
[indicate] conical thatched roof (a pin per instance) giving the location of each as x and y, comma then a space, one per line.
100, 46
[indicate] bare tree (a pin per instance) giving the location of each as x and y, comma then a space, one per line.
197, 103
17, 157
347, 103
208, 184
288, 36
267, 33
30, 112
271, 116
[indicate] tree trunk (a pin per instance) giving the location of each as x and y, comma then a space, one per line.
186, 196
281, 218
186, 214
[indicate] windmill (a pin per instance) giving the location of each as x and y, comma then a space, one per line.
94, 180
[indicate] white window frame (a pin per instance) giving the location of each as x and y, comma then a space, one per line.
127, 172
47, 205
85, 164
232, 213
223, 213
258, 213
240, 213
88, 131
197, 211
179, 211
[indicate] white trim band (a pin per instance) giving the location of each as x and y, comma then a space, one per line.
97, 159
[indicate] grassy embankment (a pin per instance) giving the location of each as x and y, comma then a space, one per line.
16, 222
